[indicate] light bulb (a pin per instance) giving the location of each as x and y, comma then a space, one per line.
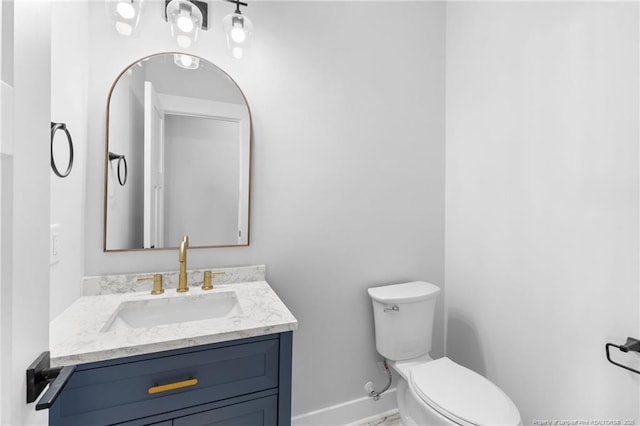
183, 41
125, 9
239, 31
124, 28
186, 60
186, 20
237, 34
124, 15
185, 23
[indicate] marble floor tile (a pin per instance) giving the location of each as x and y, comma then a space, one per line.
392, 419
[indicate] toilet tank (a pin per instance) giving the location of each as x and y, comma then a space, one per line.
403, 319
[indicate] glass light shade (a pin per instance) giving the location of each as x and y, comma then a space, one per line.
186, 61
125, 10
238, 30
183, 41
124, 15
186, 21
185, 24
123, 28
237, 52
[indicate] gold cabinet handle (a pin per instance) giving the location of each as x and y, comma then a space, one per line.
172, 386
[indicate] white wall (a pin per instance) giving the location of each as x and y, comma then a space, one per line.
347, 172
68, 105
203, 155
6, 200
205, 82
542, 201
24, 167
125, 206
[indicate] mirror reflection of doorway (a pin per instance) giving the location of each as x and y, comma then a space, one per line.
212, 145
154, 117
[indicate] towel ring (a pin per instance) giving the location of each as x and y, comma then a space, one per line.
121, 160
632, 345
54, 128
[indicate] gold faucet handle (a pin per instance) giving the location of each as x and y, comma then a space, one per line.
157, 283
208, 278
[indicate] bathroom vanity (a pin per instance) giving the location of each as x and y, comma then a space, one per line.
197, 355
230, 366
243, 382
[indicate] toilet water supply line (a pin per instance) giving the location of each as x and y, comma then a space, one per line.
376, 394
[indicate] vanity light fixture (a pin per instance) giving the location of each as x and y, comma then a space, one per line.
186, 17
186, 61
238, 30
125, 15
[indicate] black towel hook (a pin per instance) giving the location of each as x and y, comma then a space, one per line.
632, 345
54, 128
121, 160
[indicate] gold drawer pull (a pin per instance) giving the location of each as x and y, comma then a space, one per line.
173, 386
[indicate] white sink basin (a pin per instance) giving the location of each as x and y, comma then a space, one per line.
171, 310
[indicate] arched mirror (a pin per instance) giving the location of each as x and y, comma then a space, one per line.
177, 156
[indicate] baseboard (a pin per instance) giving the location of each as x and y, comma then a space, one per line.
348, 412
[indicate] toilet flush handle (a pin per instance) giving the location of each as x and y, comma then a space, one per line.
394, 308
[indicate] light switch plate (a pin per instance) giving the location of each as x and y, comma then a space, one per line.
55, 244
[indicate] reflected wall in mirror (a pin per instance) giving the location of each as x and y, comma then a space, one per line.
184, 128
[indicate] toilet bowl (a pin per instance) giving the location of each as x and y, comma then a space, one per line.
431, 392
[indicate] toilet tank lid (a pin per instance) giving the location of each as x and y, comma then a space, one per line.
414, 291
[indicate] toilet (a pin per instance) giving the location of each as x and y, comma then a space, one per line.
431, 392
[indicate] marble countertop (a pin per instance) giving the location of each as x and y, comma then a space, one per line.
76, 335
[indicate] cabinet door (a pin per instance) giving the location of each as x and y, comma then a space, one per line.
257, 412
112, 394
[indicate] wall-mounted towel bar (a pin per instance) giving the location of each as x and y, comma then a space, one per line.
632, 345
121, 160
54, 128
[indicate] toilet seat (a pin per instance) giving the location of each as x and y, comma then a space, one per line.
462, 395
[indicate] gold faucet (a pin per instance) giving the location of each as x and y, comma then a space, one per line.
182, 258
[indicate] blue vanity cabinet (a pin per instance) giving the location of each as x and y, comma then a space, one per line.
256, 412
241, 382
